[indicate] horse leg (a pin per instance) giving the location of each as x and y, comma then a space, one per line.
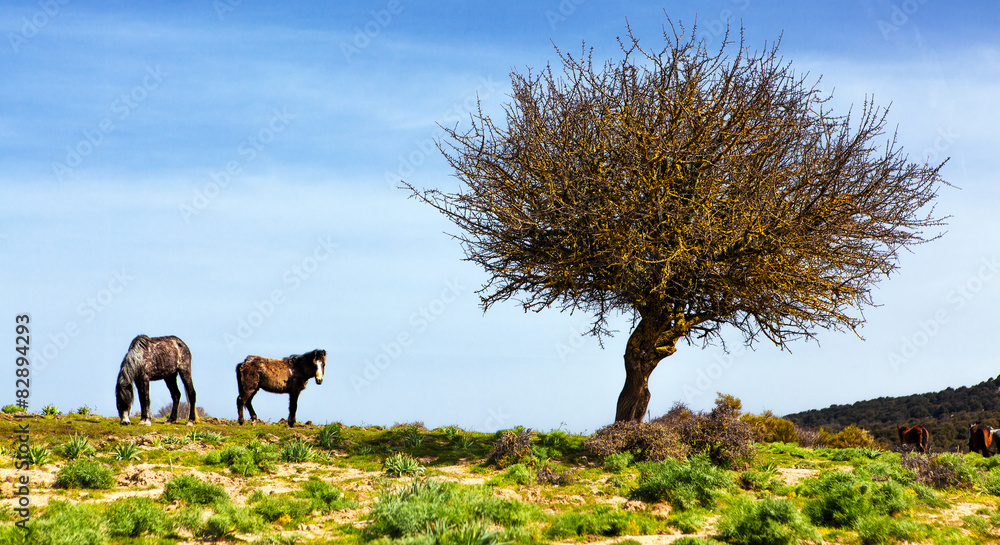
175, 395
239, 406
190, 393
253, 413
142, 385
293, 404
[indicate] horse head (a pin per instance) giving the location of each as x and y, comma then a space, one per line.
319, 360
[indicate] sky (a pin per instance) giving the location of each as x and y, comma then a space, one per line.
228, 172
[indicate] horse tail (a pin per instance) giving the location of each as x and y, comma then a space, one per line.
130, 366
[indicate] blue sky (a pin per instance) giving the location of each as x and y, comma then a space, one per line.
226, 172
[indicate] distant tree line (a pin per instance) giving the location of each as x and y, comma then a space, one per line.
947, 415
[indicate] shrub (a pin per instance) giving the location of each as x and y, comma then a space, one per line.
274, 508
133, 517
728, 441
189, 518
230, 519
515, 474
875, 530
618, 462
38, 456
248, 461
325, 497
77, 446
510, 447
688, 522
12, 409
296, 451
84, 474
66, 524
330, 436
402, 465
766, 522
84, 410
545, 474
193, 491
947, 470
695, 482
841, 499
126, 452
759, 480
768, 428
650, 442
412, 511
51, 410
601, 521
808, 438
849, 437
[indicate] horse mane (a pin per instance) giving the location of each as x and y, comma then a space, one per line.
126, 376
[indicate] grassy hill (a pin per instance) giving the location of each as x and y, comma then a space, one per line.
95, 482
946, 414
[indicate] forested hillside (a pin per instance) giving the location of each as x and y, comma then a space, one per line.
946, 414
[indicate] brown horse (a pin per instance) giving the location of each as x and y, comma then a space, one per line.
980, 437
285, 376
155, 358
915, 438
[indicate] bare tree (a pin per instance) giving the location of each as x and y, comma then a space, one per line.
688, 190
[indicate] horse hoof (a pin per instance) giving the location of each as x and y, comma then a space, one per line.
146, 423
190, 423
125, 423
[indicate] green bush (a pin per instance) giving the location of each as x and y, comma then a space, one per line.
133, 517
66, 524
648, 442
77, 446
38, 455
12, 409
849, 437
325, 497
229, 520
125, 452
412, 511
402, 465
296, 451
768, 428
685, 485
879, 529
765, 522
947, 470
601, 521
518, 474
330, 436
273, 508
189, 518
841, 499
193, 491
618, 462
51, 410
688, 522
249, 461
85, 474
510, 447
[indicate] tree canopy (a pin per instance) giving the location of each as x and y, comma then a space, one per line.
689, 189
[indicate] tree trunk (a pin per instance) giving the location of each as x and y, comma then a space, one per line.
641, 357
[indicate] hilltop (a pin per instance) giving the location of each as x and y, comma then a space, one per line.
946, 414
